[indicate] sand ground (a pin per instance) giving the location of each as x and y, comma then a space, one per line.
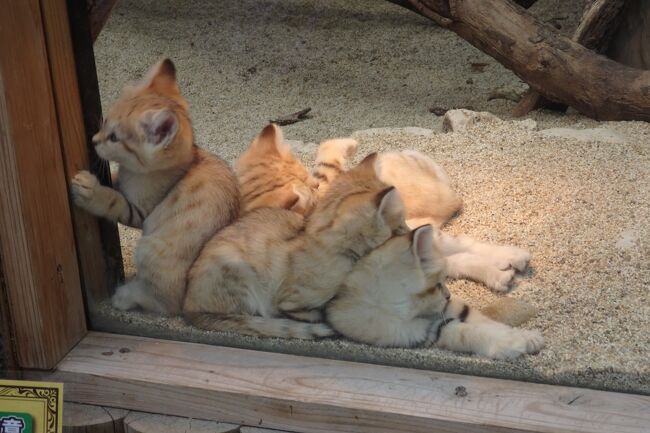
581, 207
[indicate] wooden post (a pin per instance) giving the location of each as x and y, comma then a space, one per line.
37, 245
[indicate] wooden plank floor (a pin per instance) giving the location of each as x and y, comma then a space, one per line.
288, 392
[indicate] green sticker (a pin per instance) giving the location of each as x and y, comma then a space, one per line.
15, 422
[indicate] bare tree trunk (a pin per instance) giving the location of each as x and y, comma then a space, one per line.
556, 67
598, 23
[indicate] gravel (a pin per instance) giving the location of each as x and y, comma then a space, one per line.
581, 205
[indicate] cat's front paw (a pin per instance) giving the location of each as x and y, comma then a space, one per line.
509, 257
83, 186
516, 343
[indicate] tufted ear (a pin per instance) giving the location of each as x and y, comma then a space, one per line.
160, 126
367, 166
390, 206
422, 243
270, 141
162, 78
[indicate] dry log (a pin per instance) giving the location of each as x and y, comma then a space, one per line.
556, 67
630, 44
82, 418
594, 32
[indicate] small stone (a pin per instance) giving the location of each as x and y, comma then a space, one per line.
461, 391
438, 111
461, 119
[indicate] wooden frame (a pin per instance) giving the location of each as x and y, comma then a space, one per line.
318, 395
49, 252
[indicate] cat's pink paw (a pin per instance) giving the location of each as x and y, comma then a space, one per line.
83, 186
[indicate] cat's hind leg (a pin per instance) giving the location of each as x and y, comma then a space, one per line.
480, 269
134, 294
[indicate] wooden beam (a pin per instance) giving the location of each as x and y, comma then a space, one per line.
39, 260
271, 390
96, 277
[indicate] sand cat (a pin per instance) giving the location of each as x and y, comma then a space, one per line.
271, 263
272, 177
179, 194
396, 296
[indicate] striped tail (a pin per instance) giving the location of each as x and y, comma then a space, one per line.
259, 326
331, 160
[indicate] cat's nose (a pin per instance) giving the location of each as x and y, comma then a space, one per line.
96, 139
447, 296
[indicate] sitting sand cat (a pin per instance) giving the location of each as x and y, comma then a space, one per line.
270, 264
177, 193
396, 296
271, 177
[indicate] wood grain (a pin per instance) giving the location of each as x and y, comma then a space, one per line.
92, 261
39, 260
269, 390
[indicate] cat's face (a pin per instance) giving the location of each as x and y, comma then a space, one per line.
270, 176
148, 129
406, 266
360, 208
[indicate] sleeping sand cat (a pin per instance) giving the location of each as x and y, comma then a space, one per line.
396, 296
178, 194
270, 263
271, 177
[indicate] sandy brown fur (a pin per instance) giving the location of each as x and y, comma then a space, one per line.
271, 264
179, 194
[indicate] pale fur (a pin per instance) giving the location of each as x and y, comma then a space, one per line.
429, 199
395, 296
178, 194
269, 264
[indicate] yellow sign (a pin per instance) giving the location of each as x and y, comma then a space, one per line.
31, 407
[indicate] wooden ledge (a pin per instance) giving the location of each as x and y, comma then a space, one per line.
317, 395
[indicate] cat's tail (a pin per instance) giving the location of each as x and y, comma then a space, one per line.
331, 160
259, 326
511, 311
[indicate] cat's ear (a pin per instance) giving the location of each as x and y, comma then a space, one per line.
367, 166
162, 78
160, 126
269, 141
303, 200
390, 206
422, 243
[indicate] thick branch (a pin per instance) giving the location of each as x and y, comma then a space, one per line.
556, 67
